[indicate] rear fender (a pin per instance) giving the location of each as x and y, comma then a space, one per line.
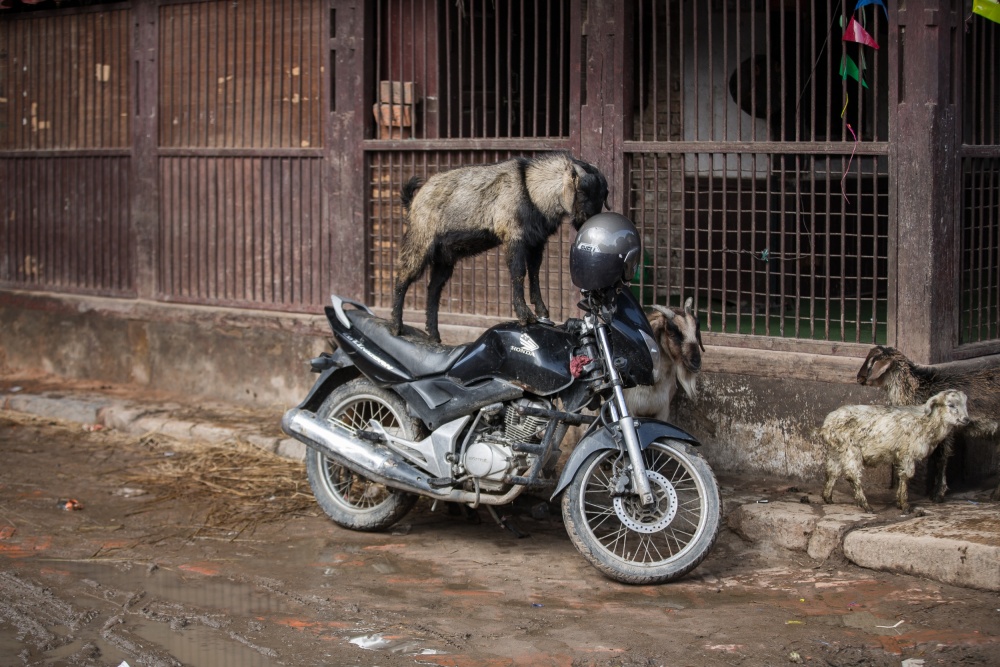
329, 379
648, 431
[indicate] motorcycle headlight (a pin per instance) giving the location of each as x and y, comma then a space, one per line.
654, 354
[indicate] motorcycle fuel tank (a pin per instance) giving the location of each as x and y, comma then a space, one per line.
535, 357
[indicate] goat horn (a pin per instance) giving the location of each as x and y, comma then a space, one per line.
665, 310
688, 304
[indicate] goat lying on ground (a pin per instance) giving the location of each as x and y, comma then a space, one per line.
860, 435
678, 335
517, 204
907, 383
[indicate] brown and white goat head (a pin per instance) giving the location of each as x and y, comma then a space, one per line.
678, 335
888, 367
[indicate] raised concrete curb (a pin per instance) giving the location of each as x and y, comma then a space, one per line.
816, 529
956, 543
140, 420
81, 410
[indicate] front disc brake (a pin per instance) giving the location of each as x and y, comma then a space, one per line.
655, 517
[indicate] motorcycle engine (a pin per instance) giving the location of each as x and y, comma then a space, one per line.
491, 456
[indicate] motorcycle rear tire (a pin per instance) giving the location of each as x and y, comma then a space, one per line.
637, 545
350, 499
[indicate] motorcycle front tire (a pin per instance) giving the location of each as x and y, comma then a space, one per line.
634, 544
352, 500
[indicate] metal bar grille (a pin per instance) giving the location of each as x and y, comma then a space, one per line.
469, 73
756, 71
64, 81
64, 225
240, 172
243, 231
241, 74
980, 250
472, 69
759, 174
981, 84
781, 252
480, 285
980, 184
64, 88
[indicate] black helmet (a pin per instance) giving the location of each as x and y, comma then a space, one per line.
605, 252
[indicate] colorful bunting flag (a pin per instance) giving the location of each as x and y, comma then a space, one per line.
849, 68
855, 33
862, 3
987, 9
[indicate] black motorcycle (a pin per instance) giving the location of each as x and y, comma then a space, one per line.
392, 418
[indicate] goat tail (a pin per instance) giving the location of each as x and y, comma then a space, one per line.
409, 191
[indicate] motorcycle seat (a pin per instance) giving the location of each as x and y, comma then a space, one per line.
413, 350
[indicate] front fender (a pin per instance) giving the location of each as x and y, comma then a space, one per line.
648, 430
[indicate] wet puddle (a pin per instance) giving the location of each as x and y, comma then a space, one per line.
194, 615
393, 644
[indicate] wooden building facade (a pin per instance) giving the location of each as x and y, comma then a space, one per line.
812, 194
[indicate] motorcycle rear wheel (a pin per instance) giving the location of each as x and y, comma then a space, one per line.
352, 500
637, 545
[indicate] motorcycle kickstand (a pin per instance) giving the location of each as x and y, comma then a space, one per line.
506, 523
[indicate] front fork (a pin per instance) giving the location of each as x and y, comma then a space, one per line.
639, 480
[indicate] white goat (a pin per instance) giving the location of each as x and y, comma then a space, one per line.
867, 435
678, 335
907, 383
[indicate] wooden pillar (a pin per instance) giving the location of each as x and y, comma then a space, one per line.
925, 149
345, 179
144, 186
606, 112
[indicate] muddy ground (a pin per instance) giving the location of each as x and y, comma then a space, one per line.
176, 558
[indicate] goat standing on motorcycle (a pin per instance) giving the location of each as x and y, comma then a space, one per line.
394, 418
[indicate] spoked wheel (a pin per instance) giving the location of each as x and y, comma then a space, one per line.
352, 500
635, 544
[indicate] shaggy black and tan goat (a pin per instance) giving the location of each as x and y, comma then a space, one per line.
517, 204
867, 435
678, 334
907, 383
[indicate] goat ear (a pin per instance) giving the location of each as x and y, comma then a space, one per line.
879, 369
571, 184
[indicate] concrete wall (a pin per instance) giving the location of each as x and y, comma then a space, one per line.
758, 421
765, 425
254, 358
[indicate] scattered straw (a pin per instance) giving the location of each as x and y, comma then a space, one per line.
238, 486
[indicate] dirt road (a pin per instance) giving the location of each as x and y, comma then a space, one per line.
182, 556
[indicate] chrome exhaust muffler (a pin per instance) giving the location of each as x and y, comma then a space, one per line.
378, 464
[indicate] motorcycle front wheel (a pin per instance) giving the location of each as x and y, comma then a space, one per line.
352, 500
634, 544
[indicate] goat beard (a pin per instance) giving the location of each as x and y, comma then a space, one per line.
688, 382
